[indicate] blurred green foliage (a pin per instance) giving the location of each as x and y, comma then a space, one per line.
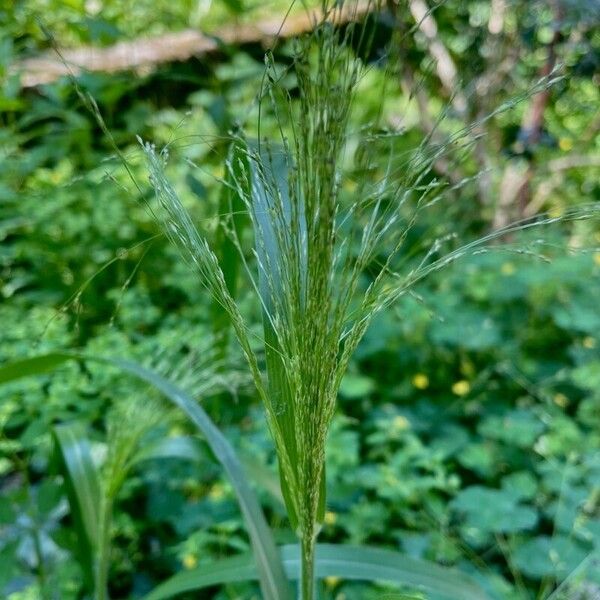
469, 423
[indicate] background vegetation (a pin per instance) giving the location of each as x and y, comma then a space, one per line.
468, 425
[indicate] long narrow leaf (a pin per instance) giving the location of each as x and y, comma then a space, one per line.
263, 477
272, 223
82, 482
346, 562
181, 447
272, 577
231, 225
37, 365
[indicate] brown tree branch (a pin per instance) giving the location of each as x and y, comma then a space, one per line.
445, 67
145, 53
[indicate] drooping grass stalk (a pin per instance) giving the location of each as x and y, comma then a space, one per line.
312, 247
128, 421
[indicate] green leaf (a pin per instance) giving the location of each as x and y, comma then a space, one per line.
82, 482
182, 447
272, 220
517, 427
347, 562
356, 386
520, 484
493, 511
235, 6
545, 556
587, 376
32, 366
232, 212
272, 577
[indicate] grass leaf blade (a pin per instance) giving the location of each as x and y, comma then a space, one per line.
347, 562
82, 482
232, 223
37, 365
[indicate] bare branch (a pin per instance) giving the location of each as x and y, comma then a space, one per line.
144, 54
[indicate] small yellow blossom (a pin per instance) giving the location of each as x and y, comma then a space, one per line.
400, 423
597, 258
589, 342
565, 144
461, 388
330, 518
561, 400
332, 581
189, 561
217, 492
508, 268
420, 381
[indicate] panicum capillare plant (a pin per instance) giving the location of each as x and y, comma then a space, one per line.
312, 247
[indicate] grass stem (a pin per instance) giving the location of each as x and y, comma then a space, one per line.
307, 567
103, 557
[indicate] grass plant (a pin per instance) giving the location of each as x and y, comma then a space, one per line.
312, 247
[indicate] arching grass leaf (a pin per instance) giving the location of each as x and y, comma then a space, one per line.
37, 365
346, 562
82, 482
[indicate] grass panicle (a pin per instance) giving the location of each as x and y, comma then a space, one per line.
314, 243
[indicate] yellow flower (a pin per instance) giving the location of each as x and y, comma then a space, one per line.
420, 381
508, 268
332, 581
597, 258
217, 492
589, 342
461, 388
330, 518
189, 561
561, 400
565, 144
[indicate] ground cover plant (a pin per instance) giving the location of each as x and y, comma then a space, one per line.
418, 454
